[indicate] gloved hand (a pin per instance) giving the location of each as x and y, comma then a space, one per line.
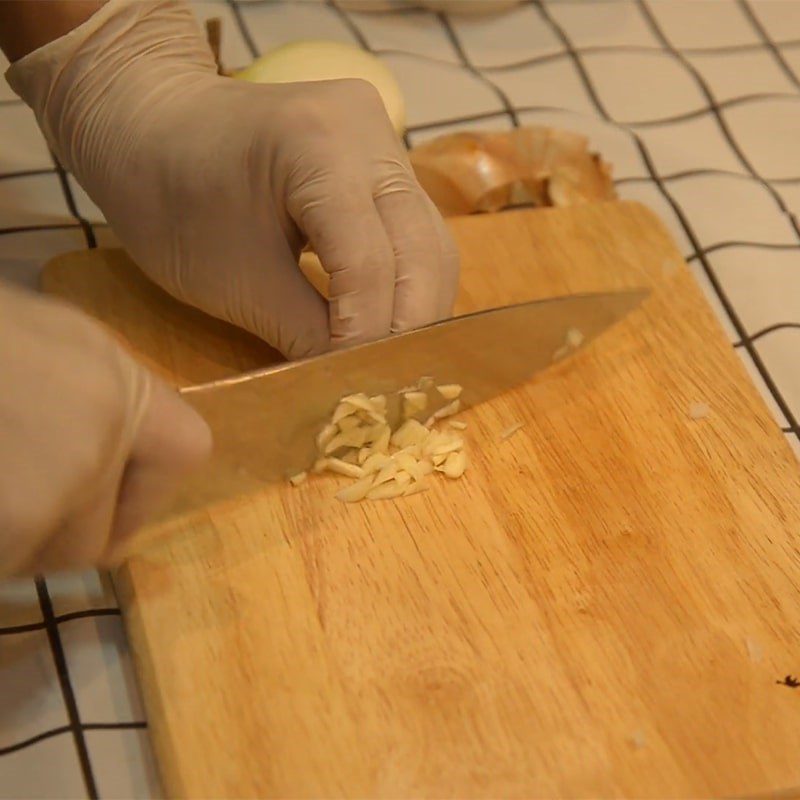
91, 442
213, 184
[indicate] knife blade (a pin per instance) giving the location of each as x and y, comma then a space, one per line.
265, 422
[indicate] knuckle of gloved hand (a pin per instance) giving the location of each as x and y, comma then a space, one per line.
357, 93
366, 257
328, 108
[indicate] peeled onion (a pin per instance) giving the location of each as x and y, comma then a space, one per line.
320, 60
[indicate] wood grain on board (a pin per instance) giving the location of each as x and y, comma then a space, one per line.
602, 606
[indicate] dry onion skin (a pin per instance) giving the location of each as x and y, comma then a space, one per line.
384, 463
465, 173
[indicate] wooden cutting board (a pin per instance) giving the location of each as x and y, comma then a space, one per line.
603, 606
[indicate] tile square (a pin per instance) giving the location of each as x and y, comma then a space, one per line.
417, 32
732, 75
768, 132
32, 200
763, 285
47, 770
504, 39
779, 18
763, 389
19, 603
23, 254
649, 194
30, 700
691, 144
438, 93
80, 591
616, 145
101, 670
702, 23
655, 86
551, 85
780, 352
24, 146
610, 24
712, 298
273, 24
123, 764
234, 52
722, 208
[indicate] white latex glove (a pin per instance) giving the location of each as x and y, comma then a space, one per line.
90, 442
214, 184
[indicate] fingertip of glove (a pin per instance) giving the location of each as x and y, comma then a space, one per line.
180, 433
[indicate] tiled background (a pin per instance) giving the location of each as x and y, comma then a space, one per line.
696, 103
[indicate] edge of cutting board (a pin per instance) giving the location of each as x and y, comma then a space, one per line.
634, 629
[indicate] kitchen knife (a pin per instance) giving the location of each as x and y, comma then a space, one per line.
265, 422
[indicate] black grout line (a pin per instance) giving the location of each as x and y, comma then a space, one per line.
243, 29
467, 64
614, 49
69, 198
351, 26
115, 726
557, 55
67, 692
786, 68
703, 173
566, 43
652, 22
778, 326
40, 737
712, 248
9, 630
88, 613
88, 726
647, 123
56, 226
27, 173
678, 211
722, 105
477, 117
38, 626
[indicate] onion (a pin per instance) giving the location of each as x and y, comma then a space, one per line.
320, 60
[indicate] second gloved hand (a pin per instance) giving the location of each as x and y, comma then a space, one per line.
214, 185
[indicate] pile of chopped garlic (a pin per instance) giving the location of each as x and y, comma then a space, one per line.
359, 443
